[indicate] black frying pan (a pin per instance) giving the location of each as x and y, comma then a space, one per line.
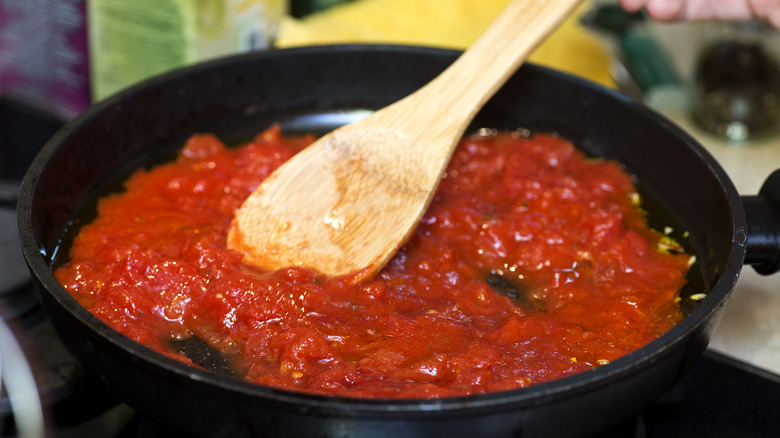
315, 89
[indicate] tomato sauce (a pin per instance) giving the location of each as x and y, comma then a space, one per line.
533, 263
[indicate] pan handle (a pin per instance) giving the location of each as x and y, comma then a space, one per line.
763, 226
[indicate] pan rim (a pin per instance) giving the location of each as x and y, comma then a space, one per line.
570, 386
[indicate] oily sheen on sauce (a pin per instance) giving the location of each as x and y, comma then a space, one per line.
532, 263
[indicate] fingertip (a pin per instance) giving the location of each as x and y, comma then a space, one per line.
632, 5
665, 10
774, 20
769, 11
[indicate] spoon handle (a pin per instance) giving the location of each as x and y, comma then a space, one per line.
494, 57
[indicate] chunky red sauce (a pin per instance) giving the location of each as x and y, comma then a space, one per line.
529, 217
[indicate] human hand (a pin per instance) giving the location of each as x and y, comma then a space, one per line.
698, 10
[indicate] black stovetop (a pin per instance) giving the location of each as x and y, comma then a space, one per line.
719, 397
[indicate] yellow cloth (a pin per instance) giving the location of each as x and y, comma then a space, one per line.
443, 23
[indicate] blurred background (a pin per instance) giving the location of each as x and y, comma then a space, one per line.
718, 81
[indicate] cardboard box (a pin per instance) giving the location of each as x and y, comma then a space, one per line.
133, 40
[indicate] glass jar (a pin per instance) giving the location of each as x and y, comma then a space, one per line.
736, 83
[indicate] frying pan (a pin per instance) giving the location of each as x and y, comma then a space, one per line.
315, 89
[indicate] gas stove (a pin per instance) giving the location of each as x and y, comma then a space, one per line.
719, 397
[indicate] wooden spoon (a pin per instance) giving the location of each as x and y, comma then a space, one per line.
348, 202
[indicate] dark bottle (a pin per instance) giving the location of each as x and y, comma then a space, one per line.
736, 89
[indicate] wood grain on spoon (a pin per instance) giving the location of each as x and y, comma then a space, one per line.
348, 202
